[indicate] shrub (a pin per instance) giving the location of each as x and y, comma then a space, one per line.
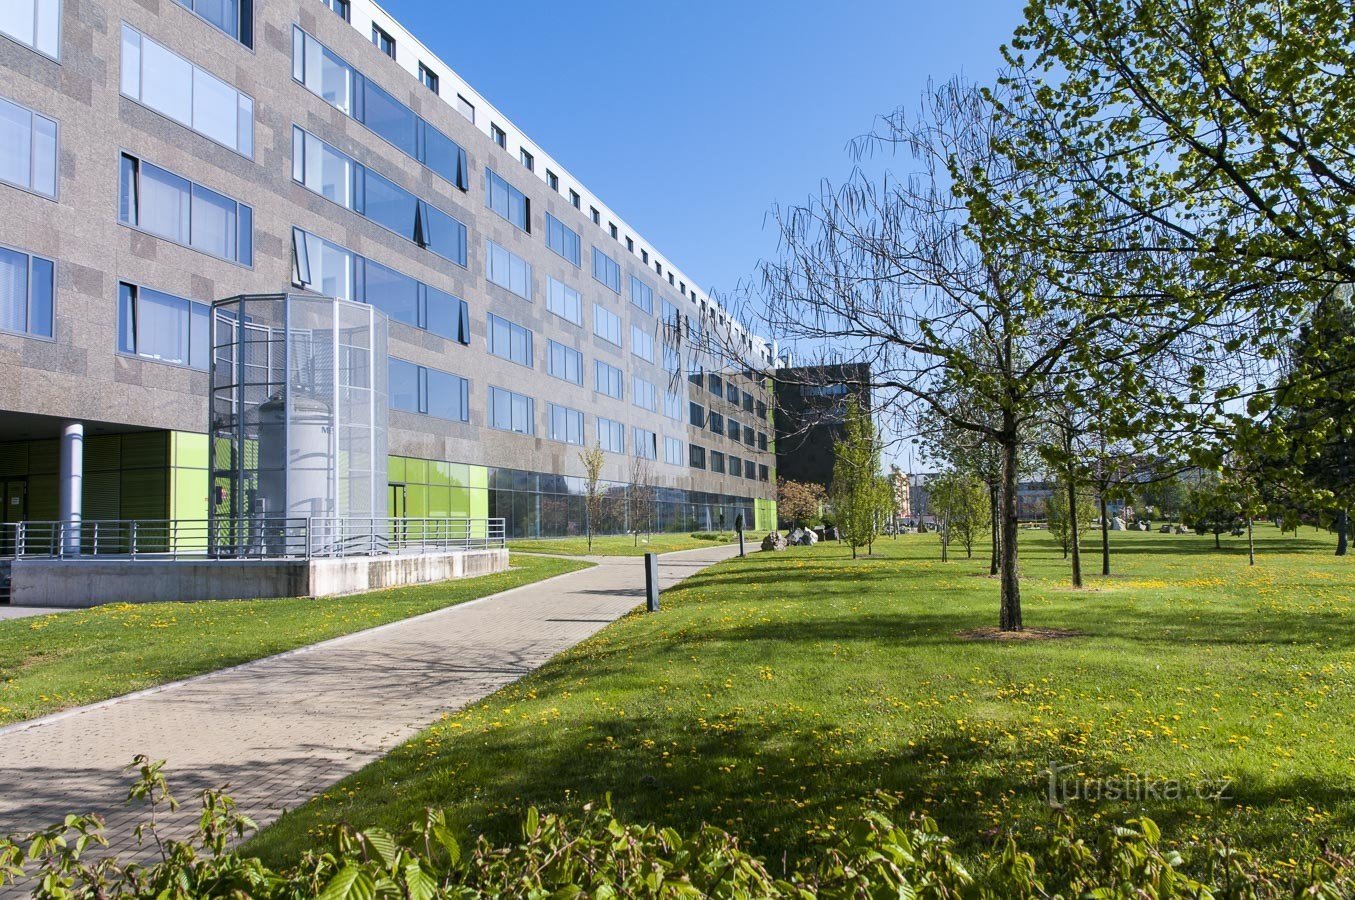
596, 855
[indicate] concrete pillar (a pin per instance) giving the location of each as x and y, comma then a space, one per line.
72, 482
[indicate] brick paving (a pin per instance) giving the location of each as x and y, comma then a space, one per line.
280, 730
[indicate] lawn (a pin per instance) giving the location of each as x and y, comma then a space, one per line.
774, 694
624, 544
53, 662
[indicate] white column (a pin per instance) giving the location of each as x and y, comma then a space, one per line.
72, 478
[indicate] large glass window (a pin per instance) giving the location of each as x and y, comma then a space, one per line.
508, 270
166, 205
511, 412
342, 7
673, 452
174, 87
443, 314
510, 340
608, 380
36, 23
606, 324
507, 201
564, 301
642, 343
430, 392
565, 424
27, 293
28, 151
235, 17
606, 270
611, 435
564, 362
642, 295
643, 394
163, 327
329, 77
324, 170
646, 443
562, 239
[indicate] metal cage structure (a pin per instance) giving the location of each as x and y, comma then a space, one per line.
298, 419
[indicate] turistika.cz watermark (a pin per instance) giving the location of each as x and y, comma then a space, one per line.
1066, 786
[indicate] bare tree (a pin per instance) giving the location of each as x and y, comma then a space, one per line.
593, 460
642, 499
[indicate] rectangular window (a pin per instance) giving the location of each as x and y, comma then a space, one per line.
321, 266
166, 205
761, 411
511, 412
608, 380
28, 149
439, 312
174, 87
164, 328
552, 180
715, 422
430, 392
343, 8
749, 469
762, 441
507, 201
508, 270
331, 79
673, 452
564, 362
499, 136
527, 159
466, 108
747, 402
763, 474
606, 270
563, 240
611, 226
643, 394
611, 435
642, 295
672, 361
606, 324
34, 23
574, 199
696, 415
564, 301
732, 429
235, 17
566, 424
27, 293
717, 461
642, 343
748, 436
646, 443
383, 41
715, 385
672, 406
428, 78
630, 243
696, 456
731, 393
509, 340
595, 215
735, 466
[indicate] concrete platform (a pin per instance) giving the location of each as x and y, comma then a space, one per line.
94, 582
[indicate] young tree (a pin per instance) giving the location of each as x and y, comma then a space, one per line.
1069, 512
593, 460
641, 497
962, 500
797, 502
856, 479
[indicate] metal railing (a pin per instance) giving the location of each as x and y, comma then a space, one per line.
262, 538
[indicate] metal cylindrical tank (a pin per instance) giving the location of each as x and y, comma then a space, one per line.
296, 457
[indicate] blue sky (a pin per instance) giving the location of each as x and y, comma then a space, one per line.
692, 119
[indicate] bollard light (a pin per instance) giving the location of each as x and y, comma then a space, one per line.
652, 581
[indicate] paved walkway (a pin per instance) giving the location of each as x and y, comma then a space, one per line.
282, 729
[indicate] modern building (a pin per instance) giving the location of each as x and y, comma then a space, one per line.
158, 157
811, 406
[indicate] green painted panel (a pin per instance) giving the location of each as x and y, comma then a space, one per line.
439, 502
188, 493
479, 504
145, 493
103, 453
14, 458
416, 501
395, 469
416, 471
145, 450
458, 503
478, 477
44, 501
189, 450
439, 472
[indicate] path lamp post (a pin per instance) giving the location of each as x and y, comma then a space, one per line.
652, 582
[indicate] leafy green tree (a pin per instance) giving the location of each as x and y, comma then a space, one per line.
1066, 522
593, 460
797, 502
856, 490
960, 501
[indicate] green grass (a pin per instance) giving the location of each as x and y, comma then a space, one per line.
48, 663
775, 694
624, 545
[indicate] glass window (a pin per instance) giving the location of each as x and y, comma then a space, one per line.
498, 135
606, 270
565, 424
392, 292
445, 315
509, 340
383, 41
389, 118
27, 293
428, 78
552, 180
508, 270
405, 392
646, 443
35, 23
747, 402
574, 199
235, 17
342, 7
564, 362
672, 406
762, 441
696, 415
563, 239
28, 151
761, 411
325, 170
163, 327
441, 234
608, 380
527, 159
763, 474
643, 394
606, 324
321, 266
714, 384
169, 206
389, 205
748, 436
511, 412
749, 469
642, 343
507, 201
430, 392
169, 84
443, 155
611, 435
564, 301
717, 461
715, 422
642, 295
673, 452
696, 457
466, 108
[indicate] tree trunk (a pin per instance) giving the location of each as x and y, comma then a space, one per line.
1217, 545
1105, 537
1251, 544
1343, 533
995, 526
1073, 527
1010, 617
